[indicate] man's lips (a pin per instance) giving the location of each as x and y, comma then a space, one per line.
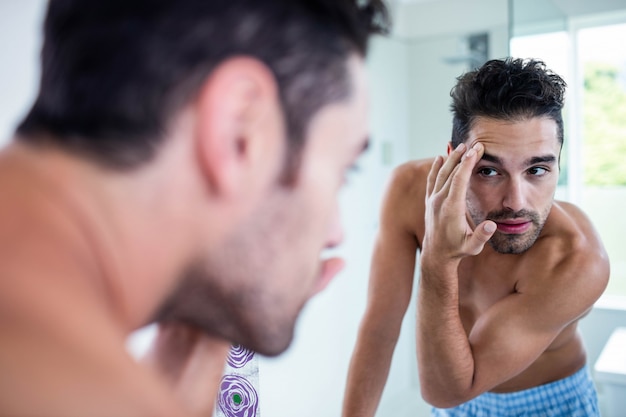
329, 268
514, 227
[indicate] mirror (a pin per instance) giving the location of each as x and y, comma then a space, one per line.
411, 74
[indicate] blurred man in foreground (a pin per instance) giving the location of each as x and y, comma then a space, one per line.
180, 165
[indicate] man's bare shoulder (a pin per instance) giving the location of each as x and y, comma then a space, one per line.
569, 225
408, 180
403, 202
412, 171
59, 337
571, 252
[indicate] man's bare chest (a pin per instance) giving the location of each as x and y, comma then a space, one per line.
481, 286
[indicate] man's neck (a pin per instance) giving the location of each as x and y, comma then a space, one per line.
137, 224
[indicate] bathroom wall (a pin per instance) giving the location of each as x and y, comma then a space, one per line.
20, 23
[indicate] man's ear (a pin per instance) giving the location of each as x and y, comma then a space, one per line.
240, 135
450, 148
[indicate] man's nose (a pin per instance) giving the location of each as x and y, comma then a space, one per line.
335, 230
514, 197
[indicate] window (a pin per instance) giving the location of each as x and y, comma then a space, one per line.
602, 62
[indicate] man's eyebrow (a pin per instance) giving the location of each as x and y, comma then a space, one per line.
491, 158
545, 159
365, 147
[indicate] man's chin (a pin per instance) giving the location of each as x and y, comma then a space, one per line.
511, 245
269, 344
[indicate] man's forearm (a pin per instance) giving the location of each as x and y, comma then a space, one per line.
445, 361
367, 376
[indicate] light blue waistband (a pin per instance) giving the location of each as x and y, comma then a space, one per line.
574, 395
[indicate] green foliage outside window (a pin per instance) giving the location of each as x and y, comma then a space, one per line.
604, 125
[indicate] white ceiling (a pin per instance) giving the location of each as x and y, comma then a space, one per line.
411, 1
566, 7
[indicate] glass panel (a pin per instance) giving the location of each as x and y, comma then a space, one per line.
529, 17
602, 60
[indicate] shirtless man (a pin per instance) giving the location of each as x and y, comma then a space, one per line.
496, 326
181, 164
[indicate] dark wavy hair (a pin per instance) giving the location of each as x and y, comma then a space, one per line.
509, 89
115, 72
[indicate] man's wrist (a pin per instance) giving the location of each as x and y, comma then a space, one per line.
439, 275
432, 264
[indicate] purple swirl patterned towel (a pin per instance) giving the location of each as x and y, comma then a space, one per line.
238, 392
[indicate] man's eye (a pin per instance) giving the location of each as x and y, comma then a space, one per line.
354, 168
538, 171
487, 172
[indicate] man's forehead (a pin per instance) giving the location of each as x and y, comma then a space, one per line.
528, 132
